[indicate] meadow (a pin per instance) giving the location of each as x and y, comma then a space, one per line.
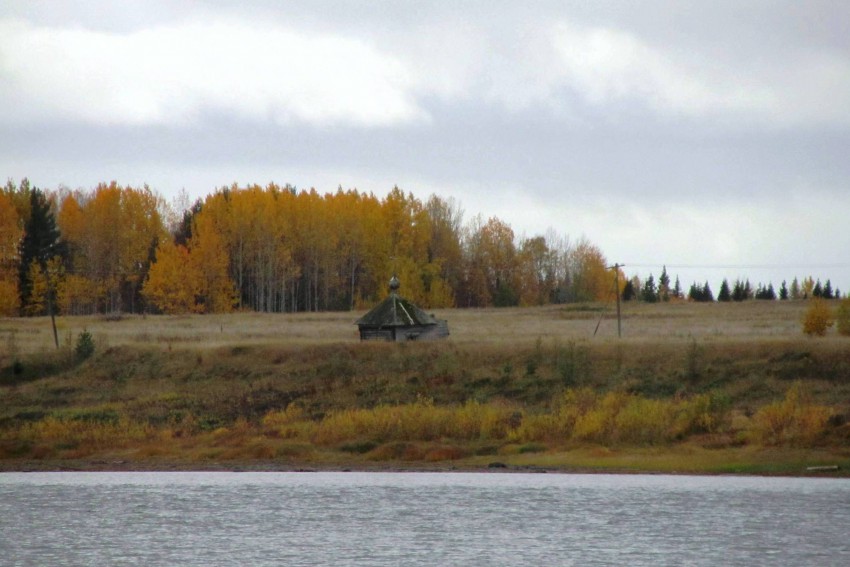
690, 387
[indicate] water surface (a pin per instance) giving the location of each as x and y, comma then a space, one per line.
258, 519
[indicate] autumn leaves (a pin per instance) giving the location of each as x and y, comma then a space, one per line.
279, 249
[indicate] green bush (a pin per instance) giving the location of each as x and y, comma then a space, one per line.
85, 345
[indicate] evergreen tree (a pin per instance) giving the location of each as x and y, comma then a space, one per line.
183, 232
650, 294
795, 289
748, 290
664, 285
827, 290
629, 292
783, 291
725, 294
817, 291
707, 295
700, 293
677, 289
694, 293
739, 292
40, 243
766, 293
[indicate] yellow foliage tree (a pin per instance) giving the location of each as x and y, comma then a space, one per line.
592, 280
77, 295
818, 318
9, 300
41, 285
10, 237
110, 233
174, 281
209, 260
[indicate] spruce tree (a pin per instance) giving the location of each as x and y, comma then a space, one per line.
707, 295
739, 293
694, 293
40, 244
770, 293
827, 290
664, 285
783, 291
650, 295
677, 289
629, 291
795, 289
817, 291
724, 294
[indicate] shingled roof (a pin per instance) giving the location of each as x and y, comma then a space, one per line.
395, 311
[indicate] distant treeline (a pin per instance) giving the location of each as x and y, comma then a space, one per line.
273, 248
651, 292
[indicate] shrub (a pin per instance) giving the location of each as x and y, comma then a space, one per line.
818, 318
842, 317
793, 420
85, 345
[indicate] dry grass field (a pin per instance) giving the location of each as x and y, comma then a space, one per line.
689, 387
669, 323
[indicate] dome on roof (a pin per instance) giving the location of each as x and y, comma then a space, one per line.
394, 283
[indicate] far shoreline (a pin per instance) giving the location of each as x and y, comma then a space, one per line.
100, 466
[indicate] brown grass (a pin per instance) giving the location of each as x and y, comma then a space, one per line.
673, 322
520, 384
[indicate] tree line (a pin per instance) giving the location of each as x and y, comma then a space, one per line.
272, 248
741, 290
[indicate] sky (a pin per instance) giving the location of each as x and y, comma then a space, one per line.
710, 137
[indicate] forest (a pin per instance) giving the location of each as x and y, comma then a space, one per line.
122, 249
114, 249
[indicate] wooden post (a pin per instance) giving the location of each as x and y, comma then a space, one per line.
50, 307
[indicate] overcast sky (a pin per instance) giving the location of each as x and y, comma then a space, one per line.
709, 136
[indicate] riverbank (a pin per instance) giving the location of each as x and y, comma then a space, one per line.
709, 389
687, 460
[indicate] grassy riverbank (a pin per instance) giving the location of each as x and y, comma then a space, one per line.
690, 388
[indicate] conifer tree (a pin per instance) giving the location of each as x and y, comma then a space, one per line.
677, 289
664, 285
817, 291
766, 293
827, 290
40, 242
783, 291
650, 294
739, 292
629, 291
795, 289
40, 245
700, 293
707, 295
724, 294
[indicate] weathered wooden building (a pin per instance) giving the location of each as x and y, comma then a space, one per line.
397, 319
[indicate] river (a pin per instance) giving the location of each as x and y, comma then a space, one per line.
260, 519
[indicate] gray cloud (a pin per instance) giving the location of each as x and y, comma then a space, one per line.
707, 133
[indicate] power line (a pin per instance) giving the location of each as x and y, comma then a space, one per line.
742, 266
